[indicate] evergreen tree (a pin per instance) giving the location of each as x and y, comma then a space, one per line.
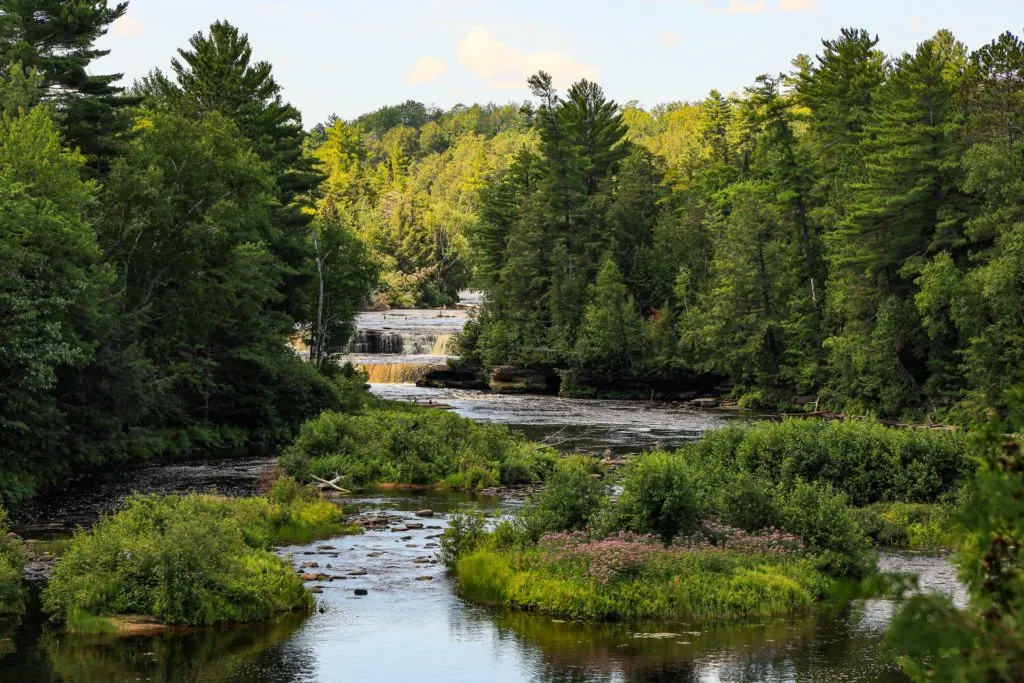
217, 74
57, 38
612, 333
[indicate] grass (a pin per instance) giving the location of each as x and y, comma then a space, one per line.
189, 560
692, 586
401, 444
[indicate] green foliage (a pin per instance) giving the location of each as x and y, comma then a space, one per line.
464, 534
57, 39
750, 504
662, 495
983, 642
570, 499
918, 526
680, 587
866, 461
821, 517
402, 444
184, 560
12, 562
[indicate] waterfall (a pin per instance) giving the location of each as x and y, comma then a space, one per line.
400, 343
394, 373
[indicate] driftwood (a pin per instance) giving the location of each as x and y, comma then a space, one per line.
332, 484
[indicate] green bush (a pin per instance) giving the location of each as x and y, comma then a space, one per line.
570, 499
464, 534
661, 495
185, 560
12, 564
819, 514
866, 461
409, 445
749, 503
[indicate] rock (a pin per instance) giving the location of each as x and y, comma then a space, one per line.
395, 529
413, 525
358, 572
405, 538
424, 578
309, 577
316, 589
323, 577
510, 379
425, 513
310, 565
374, 554
361, 591
431, 545
421, 560
326, 548
411, 545
444, 377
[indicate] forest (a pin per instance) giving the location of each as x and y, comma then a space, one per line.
846, 235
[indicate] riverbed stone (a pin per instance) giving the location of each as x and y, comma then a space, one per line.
425, 513
413, 525
361, 591
316, 589
310, 565
397, 529
357, 572
424, 578
309, 577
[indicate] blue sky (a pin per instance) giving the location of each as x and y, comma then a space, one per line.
348, 57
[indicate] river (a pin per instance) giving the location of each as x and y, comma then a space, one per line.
412, 625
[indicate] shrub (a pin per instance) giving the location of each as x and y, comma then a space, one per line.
570, 499
464, 534
661, 496
409, 445
866, 461
821, 517
12, 564
181, 559
749, 504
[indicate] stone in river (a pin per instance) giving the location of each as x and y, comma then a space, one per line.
326, 547
310, 565
425, 513
399, 528
424, 578
421, 560
308, 577
361, 591
358, 572
316, 589
413, 525
374, 554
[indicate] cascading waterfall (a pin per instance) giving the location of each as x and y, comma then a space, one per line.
400, 343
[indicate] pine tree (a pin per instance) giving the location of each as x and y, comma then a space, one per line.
612, 332
217, 74
57, 38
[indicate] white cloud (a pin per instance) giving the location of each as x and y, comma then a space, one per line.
502, 66
799, 6
669, 38
427, 70
747, 6
128, 26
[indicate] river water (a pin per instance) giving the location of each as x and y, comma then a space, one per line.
412, 625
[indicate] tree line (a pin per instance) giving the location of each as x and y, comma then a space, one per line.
159, 245
849, 233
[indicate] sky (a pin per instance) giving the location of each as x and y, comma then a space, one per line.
348, 57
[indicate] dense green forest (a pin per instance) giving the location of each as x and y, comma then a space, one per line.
159, 247
849, 234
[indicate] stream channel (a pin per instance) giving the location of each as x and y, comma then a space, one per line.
412, 625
